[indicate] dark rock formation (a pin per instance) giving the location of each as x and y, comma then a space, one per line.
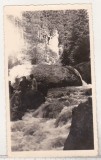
81, 133
88, 92
50, 76
31, 100
64, 117
53, 109
50, 109
85, 71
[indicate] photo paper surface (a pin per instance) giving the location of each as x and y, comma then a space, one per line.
50, 83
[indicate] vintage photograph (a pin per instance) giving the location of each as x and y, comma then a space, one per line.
50, 88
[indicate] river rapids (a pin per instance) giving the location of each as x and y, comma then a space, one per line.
42, 129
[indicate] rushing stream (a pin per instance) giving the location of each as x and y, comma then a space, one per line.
39, 130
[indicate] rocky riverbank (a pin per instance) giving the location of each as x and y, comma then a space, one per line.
48, 127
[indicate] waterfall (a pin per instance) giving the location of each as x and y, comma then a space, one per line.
53, 44
83, 82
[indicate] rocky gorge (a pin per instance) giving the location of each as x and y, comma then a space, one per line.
59, 114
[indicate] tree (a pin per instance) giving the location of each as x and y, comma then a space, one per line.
73, 29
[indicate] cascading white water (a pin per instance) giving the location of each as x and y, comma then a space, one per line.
83, 82
52, 49
53, 43
14, 45
36, 132
19, 71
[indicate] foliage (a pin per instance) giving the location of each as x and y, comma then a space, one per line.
73, 29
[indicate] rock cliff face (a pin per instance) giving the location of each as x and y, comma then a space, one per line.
85, 71
50, 76
81, 133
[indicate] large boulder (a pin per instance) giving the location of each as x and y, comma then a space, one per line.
81, 132
50, 76
85, 71
64, 116
49, 109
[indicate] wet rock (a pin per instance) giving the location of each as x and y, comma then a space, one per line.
81, 132
85, 71
31, 100
50, 76
68, 93
53, 109
49, 109
88, 92
55, 93
34, 99
58, 143
64, 98
58, 95
67, 103
64, 117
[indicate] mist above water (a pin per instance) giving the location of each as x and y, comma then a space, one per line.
48, 53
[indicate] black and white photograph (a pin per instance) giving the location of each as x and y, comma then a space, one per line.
50, 86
